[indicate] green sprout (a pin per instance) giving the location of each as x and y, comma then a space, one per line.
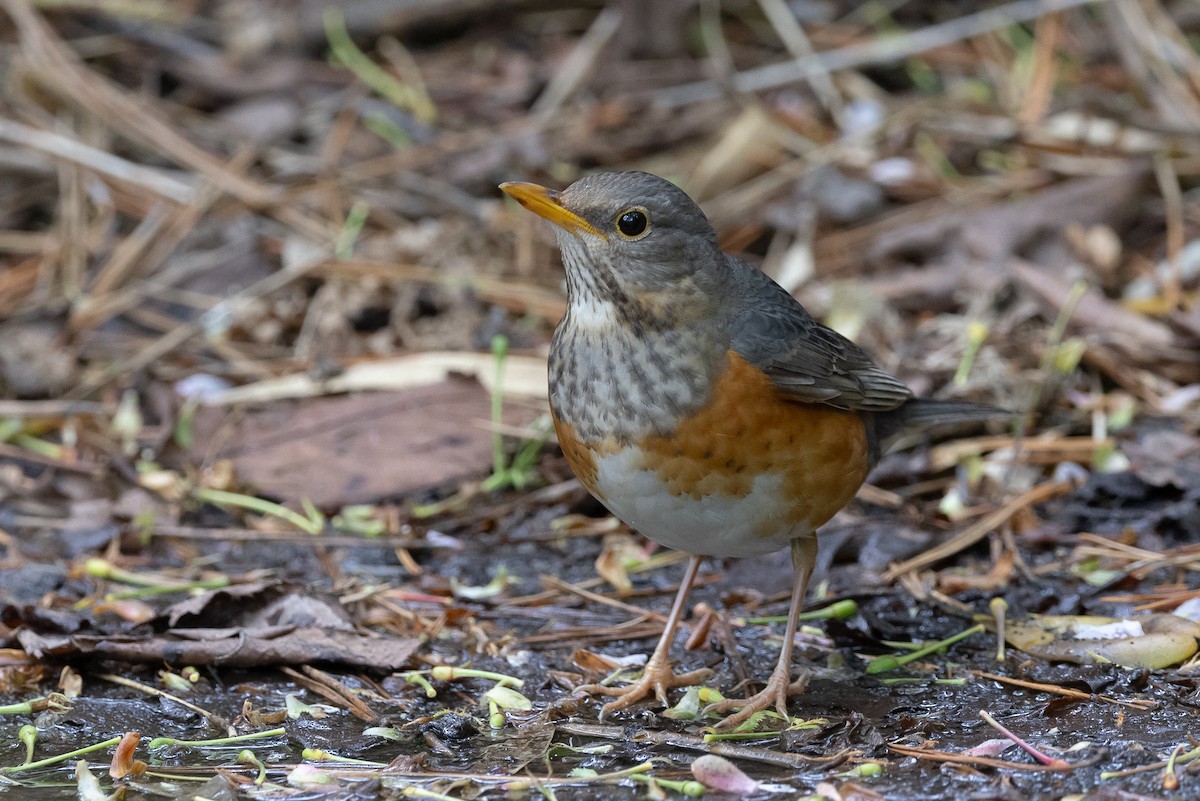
217, 742
883, 664
54, 760
344, 52
520, 472
312, 521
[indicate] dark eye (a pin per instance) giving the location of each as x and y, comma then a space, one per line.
633, 223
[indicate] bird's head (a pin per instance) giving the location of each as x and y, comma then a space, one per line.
630, 239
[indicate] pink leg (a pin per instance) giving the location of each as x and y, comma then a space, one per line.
780, 686
656, 675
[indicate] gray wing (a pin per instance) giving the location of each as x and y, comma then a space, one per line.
808, 362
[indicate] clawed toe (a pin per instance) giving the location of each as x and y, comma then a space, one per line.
776, 693
656, 679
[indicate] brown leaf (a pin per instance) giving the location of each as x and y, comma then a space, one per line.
233, 648
123, 762
367, 446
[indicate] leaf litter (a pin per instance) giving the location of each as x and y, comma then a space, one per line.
274, 522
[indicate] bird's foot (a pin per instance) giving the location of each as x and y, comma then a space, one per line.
657, 677
779, 688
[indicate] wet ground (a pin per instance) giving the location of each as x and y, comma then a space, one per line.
445, 743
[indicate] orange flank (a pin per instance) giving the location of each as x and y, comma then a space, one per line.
747, 430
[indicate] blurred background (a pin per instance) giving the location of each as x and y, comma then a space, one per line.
242, 238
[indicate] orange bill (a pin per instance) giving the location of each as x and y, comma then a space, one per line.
544, 203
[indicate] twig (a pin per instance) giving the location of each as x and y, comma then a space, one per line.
24, 454
214, 719
789, 31
174, 187
1168, 185
680, 740
1039, 91
566, 586
876, 51
329, 688
1036, 450
987, 762
49, 408
576, 67
1066, 692
977, 531
1026, 747
101, 304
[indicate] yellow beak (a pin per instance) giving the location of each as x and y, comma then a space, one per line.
544, 203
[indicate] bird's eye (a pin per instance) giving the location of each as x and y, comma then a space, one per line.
633, 223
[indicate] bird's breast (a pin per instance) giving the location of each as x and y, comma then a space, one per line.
613, 380
739, 473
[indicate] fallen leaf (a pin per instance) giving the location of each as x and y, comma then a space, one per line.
1149, 641
718, 773
369, 446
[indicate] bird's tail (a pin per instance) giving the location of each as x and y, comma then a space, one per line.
927, 413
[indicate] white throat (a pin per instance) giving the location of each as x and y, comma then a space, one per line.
589, 309
592, 313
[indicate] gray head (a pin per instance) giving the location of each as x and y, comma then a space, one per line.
628, 237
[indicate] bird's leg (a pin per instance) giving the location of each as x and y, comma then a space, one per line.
780, 686
656, 675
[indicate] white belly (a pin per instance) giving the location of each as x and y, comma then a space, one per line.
713, 524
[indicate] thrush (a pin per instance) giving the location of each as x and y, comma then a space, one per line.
700, 403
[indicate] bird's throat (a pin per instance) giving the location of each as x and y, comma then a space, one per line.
613, 380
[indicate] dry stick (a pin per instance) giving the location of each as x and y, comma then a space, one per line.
692, 742
622, 632
1150, 601
331, 690
86, 468
1168, 185
250, 535
576, 67
1155, 52
128, 254
48, 408
1185, 556
172, 187
216, 720
1066, 692
1139, 568
61, 71
1040, 89
976, 532
986, 762
1058, 448
712, 39
876, 51
69, 263
219, 316
103, 304
566, 586
790, 32
26, 243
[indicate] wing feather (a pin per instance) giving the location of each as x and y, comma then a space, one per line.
806, 361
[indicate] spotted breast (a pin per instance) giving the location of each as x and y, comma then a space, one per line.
736, 470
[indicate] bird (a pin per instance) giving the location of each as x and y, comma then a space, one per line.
700, 402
